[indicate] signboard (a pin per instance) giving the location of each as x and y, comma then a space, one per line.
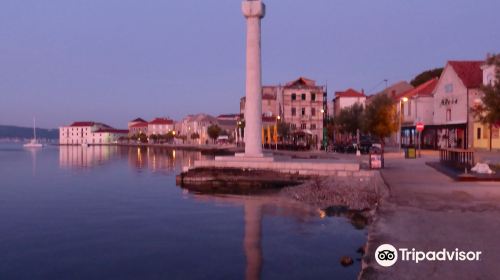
375, 161
420, 126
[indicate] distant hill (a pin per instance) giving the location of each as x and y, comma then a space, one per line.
9, 131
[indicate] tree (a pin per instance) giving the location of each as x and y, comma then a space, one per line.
426, 76
214, 132
169, 137
488, 111
195, 136
380, 117
143, 138
154, 137
350, 119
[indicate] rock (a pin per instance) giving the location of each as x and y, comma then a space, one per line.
346, 261
361, 250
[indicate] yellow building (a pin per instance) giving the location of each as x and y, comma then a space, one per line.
486, 138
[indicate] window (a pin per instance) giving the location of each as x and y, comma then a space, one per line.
294, 112
303, 96
303, 126
486, 133
409, 107
478, 133
313, 111
294, 96
293, 126
448, 88
489, 79
303, 111
448, 115
313, 96
313, 126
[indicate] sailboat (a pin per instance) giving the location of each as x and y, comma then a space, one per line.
33, 143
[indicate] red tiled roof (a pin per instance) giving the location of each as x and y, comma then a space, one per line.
139, 120
161, 121
425, 89
302, 81
469, 72
83, 124
112, 130
349, 93
141, 124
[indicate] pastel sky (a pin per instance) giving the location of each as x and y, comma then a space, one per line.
114, 60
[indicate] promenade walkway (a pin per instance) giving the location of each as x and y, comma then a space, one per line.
428, 211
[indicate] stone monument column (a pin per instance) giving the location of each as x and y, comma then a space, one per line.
254, 11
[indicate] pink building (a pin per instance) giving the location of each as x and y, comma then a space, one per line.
160, 126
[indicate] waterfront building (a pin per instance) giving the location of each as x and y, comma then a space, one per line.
138, 128
136, 121
346, 99
392, 91
229, 123
87, 132
304, 108
160, 126
343, 100
486, 136
454, 97
300, 103
418, 108
196, 124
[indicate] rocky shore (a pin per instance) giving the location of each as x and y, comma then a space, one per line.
353, 193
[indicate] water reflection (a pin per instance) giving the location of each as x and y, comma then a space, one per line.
33, 153
255, 207
139, 158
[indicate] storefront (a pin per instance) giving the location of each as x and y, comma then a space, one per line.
435, 137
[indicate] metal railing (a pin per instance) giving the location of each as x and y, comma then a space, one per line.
457, 158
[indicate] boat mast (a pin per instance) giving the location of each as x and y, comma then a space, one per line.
34, 130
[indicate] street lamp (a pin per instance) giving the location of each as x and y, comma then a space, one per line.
401, 101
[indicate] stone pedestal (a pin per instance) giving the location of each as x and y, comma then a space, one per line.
253, 11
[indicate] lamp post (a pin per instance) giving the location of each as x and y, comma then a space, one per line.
401, 101
278, 118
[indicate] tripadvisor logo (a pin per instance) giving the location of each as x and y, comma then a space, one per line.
387, 255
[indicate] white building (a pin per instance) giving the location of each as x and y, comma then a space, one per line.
419, 107
89, 133
346, 99
455, 93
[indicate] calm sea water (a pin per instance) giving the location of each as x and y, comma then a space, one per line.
116, 213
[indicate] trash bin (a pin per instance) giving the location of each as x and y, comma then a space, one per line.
376, 159
410, 152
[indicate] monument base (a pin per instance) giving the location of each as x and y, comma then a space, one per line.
282, 164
